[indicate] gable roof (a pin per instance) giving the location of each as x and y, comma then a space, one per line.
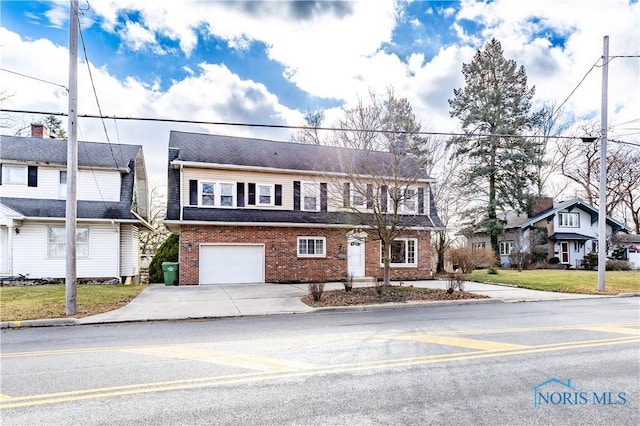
286, 156
54, 152
576, 203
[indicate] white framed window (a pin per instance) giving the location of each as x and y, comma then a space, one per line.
576, 246
227, 195
207, 194
14, 175
62, 188
310, 194
358, 199
312, 247
569, 220
403, 252
265, 195
409, 201
506, 248
56, 242
479, 246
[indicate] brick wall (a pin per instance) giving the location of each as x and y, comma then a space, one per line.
281, 261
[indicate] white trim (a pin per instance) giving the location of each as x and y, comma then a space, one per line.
315, 255
201, 165
402, 265
6, 174
272, 194
288, 225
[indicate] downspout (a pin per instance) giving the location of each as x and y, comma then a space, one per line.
181, 190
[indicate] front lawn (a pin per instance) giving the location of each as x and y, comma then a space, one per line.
48, 301
568, 281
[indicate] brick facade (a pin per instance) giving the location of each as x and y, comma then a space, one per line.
280, 246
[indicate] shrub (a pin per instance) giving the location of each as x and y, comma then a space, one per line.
554, 260
348, 283
618, 265
167, 252
590, 261
469, 259
316, 290
455, 281
492, 270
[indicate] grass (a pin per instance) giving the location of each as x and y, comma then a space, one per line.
567, 281
48, 301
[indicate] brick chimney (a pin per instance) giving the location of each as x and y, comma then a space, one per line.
541, 204
37, 130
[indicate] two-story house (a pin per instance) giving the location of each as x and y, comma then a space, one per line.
254, 211
567, 230
112, 208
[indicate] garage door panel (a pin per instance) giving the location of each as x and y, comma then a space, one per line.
228, 264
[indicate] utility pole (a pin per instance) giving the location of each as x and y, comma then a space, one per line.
602, 213
71, 212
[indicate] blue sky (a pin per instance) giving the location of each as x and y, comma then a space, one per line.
272, 61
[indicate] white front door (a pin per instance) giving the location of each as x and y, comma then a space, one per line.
564, 252
355, 257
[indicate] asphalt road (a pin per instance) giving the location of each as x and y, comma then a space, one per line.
561, 362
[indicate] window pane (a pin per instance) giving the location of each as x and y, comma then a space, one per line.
302, 246
208, 194
63, 177
265, 194
15, 174
409, 201
319, 246
411, 251
398, 251
226, 195
310, 203
310, 247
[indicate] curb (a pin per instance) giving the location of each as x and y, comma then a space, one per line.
631, 294
387, 306
52, 322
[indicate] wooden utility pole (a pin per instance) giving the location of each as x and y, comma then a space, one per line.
71, 212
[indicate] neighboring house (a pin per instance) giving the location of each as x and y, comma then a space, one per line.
628, 247
566, 230
112, 207
254, 211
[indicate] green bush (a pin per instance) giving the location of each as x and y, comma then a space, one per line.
554, 260
167, 252
590, 261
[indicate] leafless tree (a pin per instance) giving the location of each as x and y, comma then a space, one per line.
151, 240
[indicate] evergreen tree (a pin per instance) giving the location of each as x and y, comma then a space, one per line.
496, 102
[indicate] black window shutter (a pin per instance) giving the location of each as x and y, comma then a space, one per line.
346, 193
240, 194
252, 194
383, 198
278, 195
32, 173
0, 174
369, 196
193, 192
421, 200
323, 197
296, 195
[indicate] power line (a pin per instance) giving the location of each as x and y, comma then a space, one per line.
35, 78
284, 126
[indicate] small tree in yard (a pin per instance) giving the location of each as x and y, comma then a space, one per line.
469, 259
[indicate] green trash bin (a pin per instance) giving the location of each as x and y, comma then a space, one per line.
170, 272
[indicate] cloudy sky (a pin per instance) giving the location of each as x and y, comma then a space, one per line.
270, 62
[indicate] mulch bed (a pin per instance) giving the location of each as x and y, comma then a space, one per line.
395, 294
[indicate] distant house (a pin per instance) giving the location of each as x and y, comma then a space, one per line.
567, 230
254, 211
628, 247
112, 207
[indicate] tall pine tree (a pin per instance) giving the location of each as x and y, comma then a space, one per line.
495, 102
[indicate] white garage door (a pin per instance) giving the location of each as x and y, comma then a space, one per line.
231, 263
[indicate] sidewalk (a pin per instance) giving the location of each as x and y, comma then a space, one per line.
159, 302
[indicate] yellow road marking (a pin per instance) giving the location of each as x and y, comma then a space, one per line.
72, 396
483, 345
613, 329
229, 359
312, 339
5, 397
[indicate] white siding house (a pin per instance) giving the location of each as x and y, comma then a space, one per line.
32, 209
